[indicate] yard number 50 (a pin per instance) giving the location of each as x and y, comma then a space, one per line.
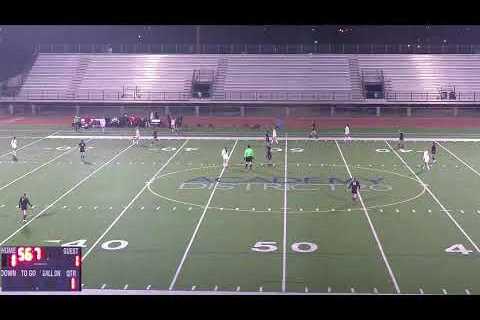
271, 246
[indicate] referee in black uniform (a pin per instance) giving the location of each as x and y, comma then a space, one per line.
23, 204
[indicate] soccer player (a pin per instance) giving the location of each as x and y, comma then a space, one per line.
137, 136
434, 151
267, 137
155, 136
313, 133
225, 157
13, 144
401, 138
355, 186
268, 150
426, 159
173, 125
347, 133
248, 155
82, 146
23, 204
274, 135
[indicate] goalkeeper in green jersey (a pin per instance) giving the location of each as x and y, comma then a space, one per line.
248, 155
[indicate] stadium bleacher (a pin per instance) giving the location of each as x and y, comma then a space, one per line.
262, 76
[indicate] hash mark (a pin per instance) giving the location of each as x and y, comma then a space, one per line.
461, 211
158, 208
103, 286
79, 207
142, 208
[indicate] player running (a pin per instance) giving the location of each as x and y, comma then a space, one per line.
23, 204
82, 146
274, 135
401, 139
313, 132
136, 138
268, 150
225, 157
249, 156
426, 159
355, 186
434, 151
347, 133
155, 136
13, 144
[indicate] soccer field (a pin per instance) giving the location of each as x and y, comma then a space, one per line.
153, 218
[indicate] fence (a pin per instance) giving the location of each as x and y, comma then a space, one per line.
294, 96
329, 48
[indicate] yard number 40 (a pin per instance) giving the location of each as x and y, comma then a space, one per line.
458, 248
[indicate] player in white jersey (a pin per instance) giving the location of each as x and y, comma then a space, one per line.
274, 135
426, 159
136, 138
347, 133
225, 157
173, 125
13, 144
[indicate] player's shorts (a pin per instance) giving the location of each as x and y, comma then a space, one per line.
23, 208
249, 159
82, 151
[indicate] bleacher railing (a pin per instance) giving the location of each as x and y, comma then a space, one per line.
324, 48
321, 96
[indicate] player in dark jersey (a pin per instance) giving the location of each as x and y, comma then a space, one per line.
314, 132
401, 140
155, 136
355, 186
434, 151
267, 137
268, 150
23, 204
82, 146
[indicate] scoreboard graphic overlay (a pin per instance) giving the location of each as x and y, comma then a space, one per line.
34, 268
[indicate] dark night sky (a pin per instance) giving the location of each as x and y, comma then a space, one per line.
241, 34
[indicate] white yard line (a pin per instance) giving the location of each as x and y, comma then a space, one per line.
65, 194
372, 228
133, 200
182, 261
259, 138
284, 253
31, 143
458, 158
38, 168
436, 200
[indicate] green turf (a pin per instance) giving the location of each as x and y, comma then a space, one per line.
94, 202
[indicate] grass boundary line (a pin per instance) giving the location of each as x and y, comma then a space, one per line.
33, 142
132, 201
184, 257
372, 228
65, 194
436, 199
